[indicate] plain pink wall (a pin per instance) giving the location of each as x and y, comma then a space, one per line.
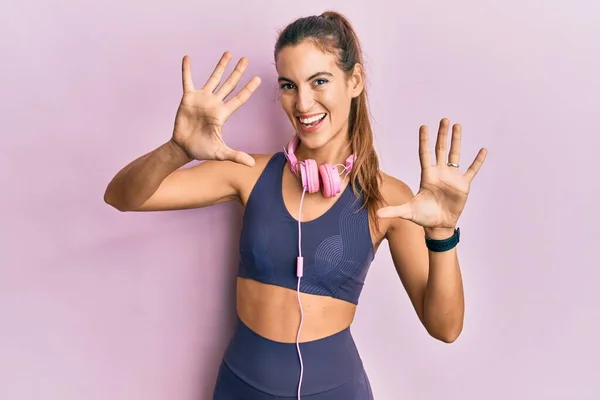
98, 305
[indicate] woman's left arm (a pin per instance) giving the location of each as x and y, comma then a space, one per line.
432, 280
432, 275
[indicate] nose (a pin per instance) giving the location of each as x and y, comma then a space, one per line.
304, 100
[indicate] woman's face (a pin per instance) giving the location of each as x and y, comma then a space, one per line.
315, 93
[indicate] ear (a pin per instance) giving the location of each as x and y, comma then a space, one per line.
356, 81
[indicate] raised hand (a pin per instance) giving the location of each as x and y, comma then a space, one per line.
444, 189
202, 112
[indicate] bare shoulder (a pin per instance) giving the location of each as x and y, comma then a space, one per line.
393, 190
231, 171
239, 175
260, 163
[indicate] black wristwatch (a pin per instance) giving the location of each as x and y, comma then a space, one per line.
444, 244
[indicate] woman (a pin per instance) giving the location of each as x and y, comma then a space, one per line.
299, 282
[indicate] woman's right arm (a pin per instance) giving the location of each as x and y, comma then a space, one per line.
157, 181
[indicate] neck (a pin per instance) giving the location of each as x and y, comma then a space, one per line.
336, 151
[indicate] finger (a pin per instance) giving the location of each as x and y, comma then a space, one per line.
424, 156
186, 74
403, 211
454, 155
239, 157
243, 95
440, 145
476, 165
214, 79
233, 79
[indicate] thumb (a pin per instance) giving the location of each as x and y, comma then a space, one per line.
239, 157
403, 211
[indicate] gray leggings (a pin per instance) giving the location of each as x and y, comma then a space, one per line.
256, 368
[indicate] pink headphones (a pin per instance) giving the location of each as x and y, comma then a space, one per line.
313, 177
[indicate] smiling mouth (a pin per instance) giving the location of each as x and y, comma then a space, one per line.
312, 121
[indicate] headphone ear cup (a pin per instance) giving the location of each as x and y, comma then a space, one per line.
310, 176
330, 179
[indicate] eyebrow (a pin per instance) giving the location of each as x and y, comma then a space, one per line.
282, 78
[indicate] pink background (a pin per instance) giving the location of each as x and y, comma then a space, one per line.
98, 305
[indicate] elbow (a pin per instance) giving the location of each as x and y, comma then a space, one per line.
109, 199
448, 337
446, 334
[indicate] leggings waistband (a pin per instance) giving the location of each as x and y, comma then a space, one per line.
274, 367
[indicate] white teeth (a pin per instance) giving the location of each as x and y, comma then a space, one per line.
312, 119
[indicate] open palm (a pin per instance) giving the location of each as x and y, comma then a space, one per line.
444, 189
203, 112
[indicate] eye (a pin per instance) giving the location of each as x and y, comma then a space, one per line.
320, 82
286, 86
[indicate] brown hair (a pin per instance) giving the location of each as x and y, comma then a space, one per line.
333, 33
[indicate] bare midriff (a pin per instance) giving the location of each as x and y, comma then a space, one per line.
273, 312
